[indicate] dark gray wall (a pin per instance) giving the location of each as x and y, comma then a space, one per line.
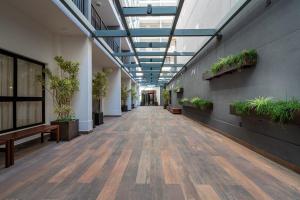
274, 31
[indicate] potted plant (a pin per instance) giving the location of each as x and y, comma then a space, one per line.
124, 96
133, 96
166, 97
100, 85
62, 87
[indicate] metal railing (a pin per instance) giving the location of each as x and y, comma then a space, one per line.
79, 4
98, 24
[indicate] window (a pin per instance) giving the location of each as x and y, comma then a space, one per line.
22, 97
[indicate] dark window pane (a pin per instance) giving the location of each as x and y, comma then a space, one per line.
6, 115
6, 75
29, 112
28, 86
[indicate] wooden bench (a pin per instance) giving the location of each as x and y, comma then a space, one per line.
175, 110
9, 139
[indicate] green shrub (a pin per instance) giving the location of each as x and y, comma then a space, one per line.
223, 63
200, 103
278, 111
184, 101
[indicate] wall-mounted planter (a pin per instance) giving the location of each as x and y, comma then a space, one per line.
252, 114
207, 108
230, 69
179, 90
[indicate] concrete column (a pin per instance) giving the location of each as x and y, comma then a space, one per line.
79, 49
129, 94
112, 101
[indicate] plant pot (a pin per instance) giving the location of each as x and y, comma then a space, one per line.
67, 129
124, 108
132, 106
165, 106
98, 118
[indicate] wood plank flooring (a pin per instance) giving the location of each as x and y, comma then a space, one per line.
147, 154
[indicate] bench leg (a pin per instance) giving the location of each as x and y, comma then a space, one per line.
7, 154
12, 152
42, 137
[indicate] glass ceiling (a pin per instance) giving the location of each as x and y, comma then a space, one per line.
204, 14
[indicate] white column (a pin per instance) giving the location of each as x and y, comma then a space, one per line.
112, 101
138, 94
79, 49
129, 94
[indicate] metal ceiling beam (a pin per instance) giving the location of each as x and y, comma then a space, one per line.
150, 44
150, 11
239, 6
124, 22
155, 32
179, 7
152, 65
154, 70
146, 53
151, 60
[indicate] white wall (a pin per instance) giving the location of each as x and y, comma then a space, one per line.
112, 101
20, 34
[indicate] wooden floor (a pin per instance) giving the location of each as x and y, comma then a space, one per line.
147, 154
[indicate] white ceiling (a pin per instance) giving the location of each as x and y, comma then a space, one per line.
48, 15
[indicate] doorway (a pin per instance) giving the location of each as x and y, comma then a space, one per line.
149, 98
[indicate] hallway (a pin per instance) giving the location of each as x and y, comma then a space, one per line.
147, 153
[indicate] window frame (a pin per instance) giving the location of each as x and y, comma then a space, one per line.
14, 98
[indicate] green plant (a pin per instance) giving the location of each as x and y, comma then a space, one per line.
133, 94
62, 87
184, 101
278, 111
200, 103
244, 56
124, 94
100, 86
166, 96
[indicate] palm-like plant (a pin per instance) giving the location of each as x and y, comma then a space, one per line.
62, 87
100, 86
166, 96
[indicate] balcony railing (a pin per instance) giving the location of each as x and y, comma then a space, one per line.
79, 4
98, 24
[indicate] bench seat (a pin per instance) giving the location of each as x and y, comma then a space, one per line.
9, 139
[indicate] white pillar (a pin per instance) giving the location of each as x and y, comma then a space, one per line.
129, 94
79, 49
112, 101
138, 94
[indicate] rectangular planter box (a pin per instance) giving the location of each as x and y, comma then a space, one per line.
264, 125
209, 75
68, 130
179, 90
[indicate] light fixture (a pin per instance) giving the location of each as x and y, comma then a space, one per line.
98, 3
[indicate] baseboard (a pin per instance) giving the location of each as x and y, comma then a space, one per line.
85, 132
